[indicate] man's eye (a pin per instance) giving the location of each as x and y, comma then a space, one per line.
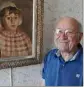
58, 31
68, 32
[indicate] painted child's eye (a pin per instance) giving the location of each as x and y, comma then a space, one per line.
16, 17
8, 18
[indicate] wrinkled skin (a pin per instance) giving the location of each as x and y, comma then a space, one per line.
67, 43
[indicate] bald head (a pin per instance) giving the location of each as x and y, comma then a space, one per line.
69, 22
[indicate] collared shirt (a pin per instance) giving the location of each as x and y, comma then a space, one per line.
73, 58
57, 72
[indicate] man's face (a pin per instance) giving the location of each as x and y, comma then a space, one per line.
66, 35
11, 21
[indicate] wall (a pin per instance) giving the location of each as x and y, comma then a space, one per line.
56, 9
21, 76
53, 9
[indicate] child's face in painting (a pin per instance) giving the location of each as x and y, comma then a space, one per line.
11, 21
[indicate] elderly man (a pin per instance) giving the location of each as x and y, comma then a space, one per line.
63, 66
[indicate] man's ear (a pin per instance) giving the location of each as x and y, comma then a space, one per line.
80, 36
20, 21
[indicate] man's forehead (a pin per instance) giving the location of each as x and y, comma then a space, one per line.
67, 22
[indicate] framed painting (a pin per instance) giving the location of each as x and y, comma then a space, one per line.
21, 32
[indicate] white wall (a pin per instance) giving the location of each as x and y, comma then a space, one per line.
53, 9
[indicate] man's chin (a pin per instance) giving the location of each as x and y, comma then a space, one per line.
63, 50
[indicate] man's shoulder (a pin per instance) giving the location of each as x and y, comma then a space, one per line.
50, 54
52, 51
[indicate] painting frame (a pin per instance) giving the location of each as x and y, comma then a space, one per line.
37, 58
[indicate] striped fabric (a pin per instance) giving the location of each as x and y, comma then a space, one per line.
15, 44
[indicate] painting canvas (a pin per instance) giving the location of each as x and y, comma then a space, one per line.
21, 25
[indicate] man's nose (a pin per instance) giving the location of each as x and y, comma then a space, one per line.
64, 35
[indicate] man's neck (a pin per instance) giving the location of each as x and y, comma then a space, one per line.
68, 55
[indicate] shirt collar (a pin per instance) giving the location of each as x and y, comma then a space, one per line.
58, 54
74, 57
